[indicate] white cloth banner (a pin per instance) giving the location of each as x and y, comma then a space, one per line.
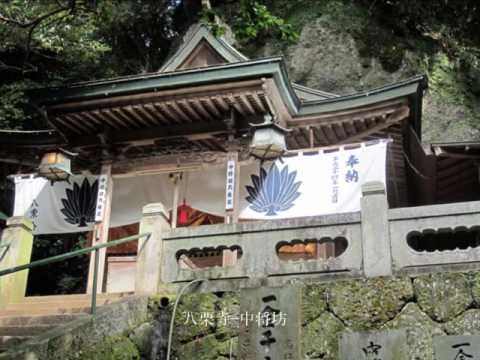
70, 207
308, 185
301, 185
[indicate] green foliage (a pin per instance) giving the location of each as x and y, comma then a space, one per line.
253, 21
140, 33
48, 43
12, 101
208, 17
64, 277
111, 348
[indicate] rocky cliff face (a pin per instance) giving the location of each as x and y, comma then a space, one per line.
344, 48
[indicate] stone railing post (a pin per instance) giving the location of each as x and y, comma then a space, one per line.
19, 238
150, 251
377, 257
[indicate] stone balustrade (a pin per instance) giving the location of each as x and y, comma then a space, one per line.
375, 241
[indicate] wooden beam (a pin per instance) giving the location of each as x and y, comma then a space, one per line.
120, 114
351, 115
257, 103
93, 119
207, 103
274, 98
457, 178
359, 126
112, 120
85, 125
221, 102
176, 194
146, 114
339, 131
321, 136
235, 105
204, 114
100, 235
173, 105
134, 114
311, 137
67, 124
350, 129
165, 109
159, 96
156, 115
246, 103
454, 169
332, 138
190, 110
394, 118
201, 129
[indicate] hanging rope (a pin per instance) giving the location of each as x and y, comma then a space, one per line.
415, 170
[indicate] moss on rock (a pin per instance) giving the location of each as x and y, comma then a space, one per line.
475, 287
366, 304
205, 348
467, 323
141, 337
228, 304
313, 302
420, 331
320, 337
193, 319
112, 348
443, 296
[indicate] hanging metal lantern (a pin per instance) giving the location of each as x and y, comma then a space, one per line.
55, 166
268, 140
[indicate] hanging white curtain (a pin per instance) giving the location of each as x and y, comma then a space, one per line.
301, 185
308, 185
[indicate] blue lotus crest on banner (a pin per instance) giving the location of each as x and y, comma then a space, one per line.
273, 191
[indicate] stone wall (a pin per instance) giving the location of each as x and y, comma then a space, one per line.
424, 305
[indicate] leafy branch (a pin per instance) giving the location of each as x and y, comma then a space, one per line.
255, 20
32, 24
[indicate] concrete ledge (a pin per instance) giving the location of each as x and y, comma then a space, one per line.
418, 212
20, 221
262, 226
66, 341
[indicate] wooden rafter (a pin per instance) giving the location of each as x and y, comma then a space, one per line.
394, 118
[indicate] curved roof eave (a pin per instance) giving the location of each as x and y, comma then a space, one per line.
400, 89
267, 67
262, 68
313, 94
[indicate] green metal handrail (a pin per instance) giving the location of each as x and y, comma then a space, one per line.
6, 246
75, 253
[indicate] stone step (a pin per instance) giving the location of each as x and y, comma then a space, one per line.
59, 303
12, 330
48, 298
7, 341
24, 320
45, 311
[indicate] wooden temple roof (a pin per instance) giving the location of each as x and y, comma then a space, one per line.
181, 109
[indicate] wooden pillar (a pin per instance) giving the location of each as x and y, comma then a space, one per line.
176, 195
232, 187
16, 249
100, 232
